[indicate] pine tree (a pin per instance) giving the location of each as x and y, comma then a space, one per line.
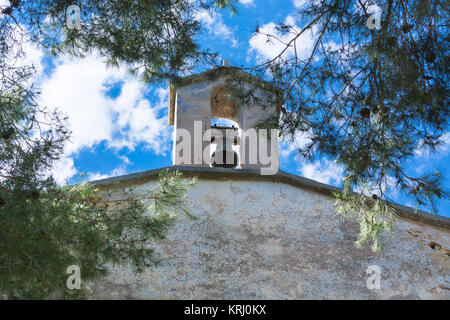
367, 96
45, 227
154, 39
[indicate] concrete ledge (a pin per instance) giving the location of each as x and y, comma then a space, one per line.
254, 175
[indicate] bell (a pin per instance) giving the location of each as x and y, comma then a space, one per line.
219, 158
224, 156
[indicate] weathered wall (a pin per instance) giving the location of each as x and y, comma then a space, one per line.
269, 240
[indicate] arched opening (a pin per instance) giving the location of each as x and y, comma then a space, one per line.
225, 152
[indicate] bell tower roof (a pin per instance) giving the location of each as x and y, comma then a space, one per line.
225, 72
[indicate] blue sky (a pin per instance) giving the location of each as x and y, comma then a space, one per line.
121, 126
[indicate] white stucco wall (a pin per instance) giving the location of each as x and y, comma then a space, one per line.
268, 240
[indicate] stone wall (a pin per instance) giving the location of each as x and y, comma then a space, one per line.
271, 240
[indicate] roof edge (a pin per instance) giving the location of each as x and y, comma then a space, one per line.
281, 176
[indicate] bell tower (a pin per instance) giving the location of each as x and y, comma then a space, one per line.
230, 93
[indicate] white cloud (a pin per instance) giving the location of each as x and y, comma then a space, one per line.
98, 176
138, 121
247, 2
325, 171
370, 5
445, 146
299, 3
92, 176
63, 169
268, 47
78, 88
424, 152
301, 139
389, 187
214, 24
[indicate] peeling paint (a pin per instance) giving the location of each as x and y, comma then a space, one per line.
269, 240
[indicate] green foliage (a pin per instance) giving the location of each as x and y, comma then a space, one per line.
44, 227
42, 234
155, 39
369, 99
226, 4
375, 216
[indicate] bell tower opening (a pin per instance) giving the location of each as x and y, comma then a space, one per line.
224, 148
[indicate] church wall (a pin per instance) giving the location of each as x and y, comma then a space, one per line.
270, 240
